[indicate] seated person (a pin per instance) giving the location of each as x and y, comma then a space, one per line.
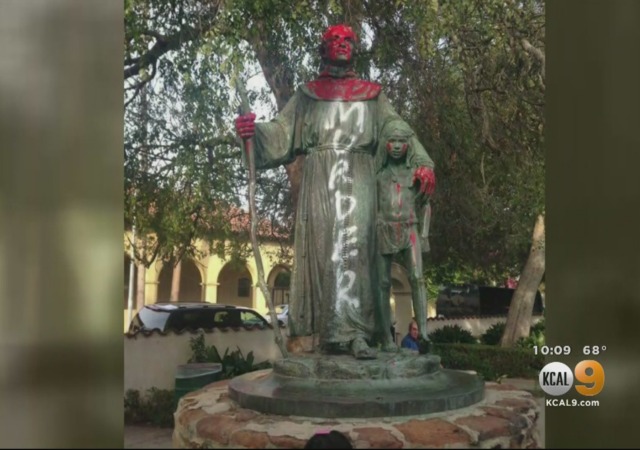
410, 341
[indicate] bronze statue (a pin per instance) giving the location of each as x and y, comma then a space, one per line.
402, 225
335, 121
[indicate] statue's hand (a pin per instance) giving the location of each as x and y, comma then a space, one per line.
246, 125
427, 179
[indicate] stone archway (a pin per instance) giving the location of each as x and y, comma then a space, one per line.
190, 282
279, 282
235, 286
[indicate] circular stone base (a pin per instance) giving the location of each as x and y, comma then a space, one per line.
506, 418
340, 386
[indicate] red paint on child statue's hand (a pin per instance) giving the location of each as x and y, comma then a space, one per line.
427, 179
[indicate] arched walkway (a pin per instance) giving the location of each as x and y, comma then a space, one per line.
279, 282
190, 282
235, 286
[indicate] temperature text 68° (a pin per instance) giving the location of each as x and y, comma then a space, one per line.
593, 349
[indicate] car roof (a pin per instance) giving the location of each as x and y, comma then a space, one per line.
172, 306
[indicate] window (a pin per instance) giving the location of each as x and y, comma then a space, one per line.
244, 287
191, 320
221, 319
283, 280
250, 318
280, 291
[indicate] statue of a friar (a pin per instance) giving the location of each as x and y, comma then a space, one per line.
335, 121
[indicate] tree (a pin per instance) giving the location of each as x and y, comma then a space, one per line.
467, 75
520, 310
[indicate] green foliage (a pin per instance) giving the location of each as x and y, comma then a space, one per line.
536, 336
493, 334
452, 334
467, 75
156, 408
424, 346
233, 363
489, 361
475, 96
539, 327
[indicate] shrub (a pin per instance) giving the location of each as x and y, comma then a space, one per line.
538, 327
489, 361
233, 363
493, 334
452, 334
156, 408
536, 336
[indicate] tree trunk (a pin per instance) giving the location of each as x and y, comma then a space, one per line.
521, 309
175, 282
141, 274
280, 80
140, 286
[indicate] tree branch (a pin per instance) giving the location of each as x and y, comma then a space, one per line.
536, 52
165, 44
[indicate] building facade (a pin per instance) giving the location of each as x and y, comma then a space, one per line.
215, 280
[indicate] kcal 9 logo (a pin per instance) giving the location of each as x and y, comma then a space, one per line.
556, 378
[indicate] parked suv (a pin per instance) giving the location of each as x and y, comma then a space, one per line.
282, 312
182, 316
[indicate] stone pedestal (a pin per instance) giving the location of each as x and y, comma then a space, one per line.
339, 386
505, 418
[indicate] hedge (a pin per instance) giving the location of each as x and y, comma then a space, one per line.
489, 361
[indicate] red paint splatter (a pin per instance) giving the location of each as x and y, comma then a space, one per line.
344, 31
348, 89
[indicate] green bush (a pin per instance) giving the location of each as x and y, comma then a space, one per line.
489, 361
233, 363
452, 334
536, 336
538, 327
156, 408
493, 334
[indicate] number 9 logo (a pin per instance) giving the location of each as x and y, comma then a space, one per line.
595, 377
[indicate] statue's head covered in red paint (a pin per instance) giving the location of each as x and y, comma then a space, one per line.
337, 80
338, 43
337, 50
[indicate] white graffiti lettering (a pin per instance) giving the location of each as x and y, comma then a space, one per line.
350, 202
346, 238
339, 114
343, 291
339, 170
345, 235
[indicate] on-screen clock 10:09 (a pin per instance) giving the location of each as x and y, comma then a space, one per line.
556, 350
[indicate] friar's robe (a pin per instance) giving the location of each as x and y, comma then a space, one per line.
336, 124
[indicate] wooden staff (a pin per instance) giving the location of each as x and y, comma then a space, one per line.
245, 108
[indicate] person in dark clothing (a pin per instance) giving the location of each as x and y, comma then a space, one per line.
329, 439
